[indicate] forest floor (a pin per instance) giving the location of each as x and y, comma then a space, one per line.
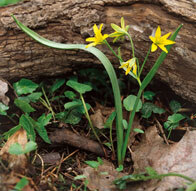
67, 155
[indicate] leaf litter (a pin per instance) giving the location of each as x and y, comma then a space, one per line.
178, 157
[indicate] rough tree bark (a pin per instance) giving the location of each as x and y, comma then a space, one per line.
68, 21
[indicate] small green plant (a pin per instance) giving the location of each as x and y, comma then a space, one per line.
174, 119
148, 175
21, 184
16, 148
8, 2
149, 107
95, 164
131, 66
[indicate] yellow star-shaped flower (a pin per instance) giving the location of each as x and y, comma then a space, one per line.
160, 41
128, 65
98, 38
120, 32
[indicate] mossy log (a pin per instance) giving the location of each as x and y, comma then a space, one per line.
68, 21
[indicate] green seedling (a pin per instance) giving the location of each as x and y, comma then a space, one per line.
95, 164
16, 148
21, 184
8, 2
174, 119
148, 175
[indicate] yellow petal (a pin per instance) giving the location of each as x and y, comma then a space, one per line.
167, 42
100, 27
152, 38
95, 29
164, 37
153, 47
122, 23
128, 70
91, 44
162, 47
123, 65
135, 69
158, 32
90, 39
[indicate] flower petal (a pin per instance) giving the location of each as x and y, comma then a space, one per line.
162, 47
153, 47
95, 29
128, 70
90, 39
158, 32
152, 38
164, 37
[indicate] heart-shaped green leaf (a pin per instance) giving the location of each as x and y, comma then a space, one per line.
24, 86
79, 87
129, 102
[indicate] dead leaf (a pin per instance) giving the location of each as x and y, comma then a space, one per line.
3, 91
49, 158
98, 120
178, 158
17, 163
102, 178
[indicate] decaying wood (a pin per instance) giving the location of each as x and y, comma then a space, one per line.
65, 136
71, 22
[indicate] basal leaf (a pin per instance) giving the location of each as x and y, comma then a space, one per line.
16, 149
79, 87
147, 108
23, 105
175, 106
58, 83
129, 102
72, 104
69, 94
24, 86
175, 118
34, 97
26, 122
3, 109
148, 95
30, 146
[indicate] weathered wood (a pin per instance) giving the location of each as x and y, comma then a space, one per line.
71, 22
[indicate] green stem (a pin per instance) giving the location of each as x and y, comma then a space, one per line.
47, 103
111, 140
119, 58
89, 120
127, 135
132, 45
159, 176
144, 61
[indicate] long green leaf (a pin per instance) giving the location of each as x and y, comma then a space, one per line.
106, 63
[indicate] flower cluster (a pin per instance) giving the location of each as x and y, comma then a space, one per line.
129, 66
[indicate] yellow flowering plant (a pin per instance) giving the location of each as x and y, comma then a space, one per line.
131, 67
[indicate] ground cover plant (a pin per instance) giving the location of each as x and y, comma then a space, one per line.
70, 107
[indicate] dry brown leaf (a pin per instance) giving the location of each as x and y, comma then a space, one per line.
3, 91
178, 158
17, 163
98, 120
102, 178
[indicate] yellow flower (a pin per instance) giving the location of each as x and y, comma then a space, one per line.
159, 41
120, 32
98, 39
128, 65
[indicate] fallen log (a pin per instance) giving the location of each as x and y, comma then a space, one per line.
71, 22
